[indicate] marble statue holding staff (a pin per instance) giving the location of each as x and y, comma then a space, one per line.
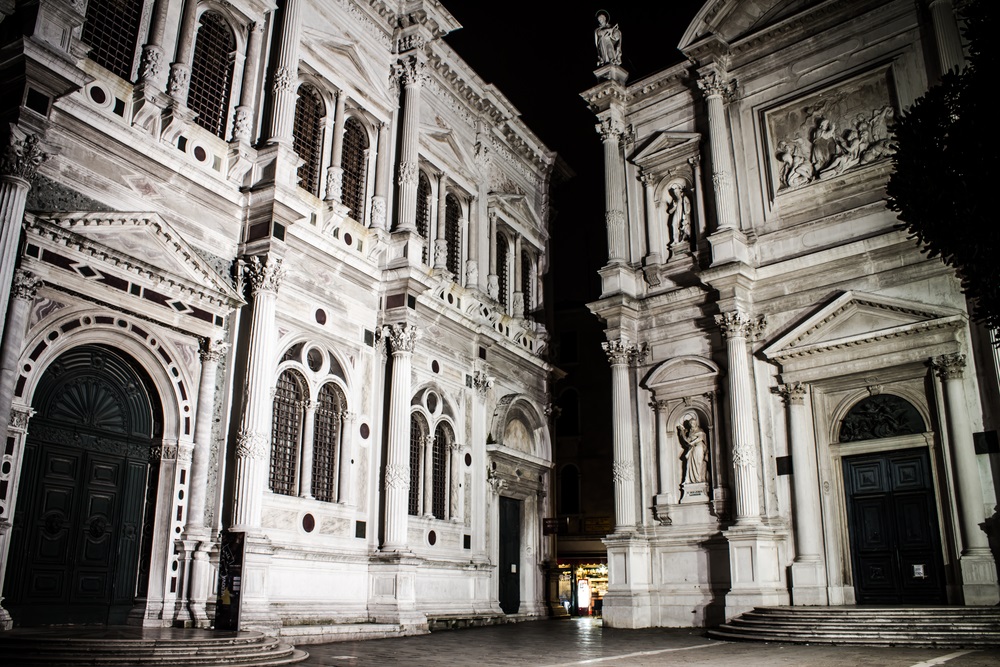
608, 39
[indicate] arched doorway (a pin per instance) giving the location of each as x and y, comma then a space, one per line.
82, 533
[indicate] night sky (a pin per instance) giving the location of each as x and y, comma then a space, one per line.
541, 55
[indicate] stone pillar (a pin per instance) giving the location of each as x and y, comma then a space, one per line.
20, 162
808, 570
427, 449
402, 338
347, 430
10, 467
517, 302
482, 382
654, 231
286, 75
335, 174
148, 97
454, 505
946, 35
668, 480
381, 178
411, 73
197, 538
441, 242
737, 327
979, 577
308, 435
264, 275
180, 69
611, 129
25, 285
243, 120
621, 354
493, 279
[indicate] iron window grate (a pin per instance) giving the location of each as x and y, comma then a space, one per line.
353, 163
453, 234
212, 73
424, 210
417, 432
329, 410
111, 29
286, 431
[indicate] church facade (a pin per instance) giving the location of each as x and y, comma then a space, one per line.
271, 354
804, 413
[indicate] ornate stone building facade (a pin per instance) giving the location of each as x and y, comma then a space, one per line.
270, 354
802, 407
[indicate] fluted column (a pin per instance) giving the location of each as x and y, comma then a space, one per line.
621, 354
244, 115
716, 85
253, 446
211, 354
946, 35
654, 231
412, 75
347, 430
21, 159
402, 338
611, 130
335, 174
805, 480
286, 75
737, 327
180, 69
308, 436
441, 242
950, 369
25, 286
381, 178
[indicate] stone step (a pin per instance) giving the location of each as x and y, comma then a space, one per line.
49, 647
951, 642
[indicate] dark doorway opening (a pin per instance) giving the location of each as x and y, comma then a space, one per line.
82, 532
510, 555
893, 524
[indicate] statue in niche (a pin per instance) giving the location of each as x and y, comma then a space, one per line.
608, 39
695, 442
679, 212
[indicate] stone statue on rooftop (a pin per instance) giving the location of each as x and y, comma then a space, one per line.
608, 39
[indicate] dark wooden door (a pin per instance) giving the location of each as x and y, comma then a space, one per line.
892, 517
510, 555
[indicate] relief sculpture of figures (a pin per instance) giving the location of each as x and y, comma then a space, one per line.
695, 443
679, 210
608, 39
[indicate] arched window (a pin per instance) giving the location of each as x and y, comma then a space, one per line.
418, 438
286, 431
424, 211
453, 234
354, 163
880, 416
307, 136
569, 490
527, 281
212, 73
111, 29
442, 447
503, 270
330, 407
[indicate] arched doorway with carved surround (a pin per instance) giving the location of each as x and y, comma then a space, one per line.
82, 535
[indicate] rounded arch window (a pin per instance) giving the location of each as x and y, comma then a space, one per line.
286, 428
353, 163
880, 416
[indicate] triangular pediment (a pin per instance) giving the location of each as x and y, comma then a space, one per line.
855, 318
451, 148
340, 53
143, 242
729, 20
667, 147
515, 206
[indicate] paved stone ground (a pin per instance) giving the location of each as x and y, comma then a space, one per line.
584, 641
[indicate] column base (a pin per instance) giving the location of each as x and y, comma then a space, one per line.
729, 245
757, 579
979, 578
809, 583
628, 602
621, 278
255, 605
6, 622
393, 592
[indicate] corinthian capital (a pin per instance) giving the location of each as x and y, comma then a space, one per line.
25, 285
621, 351
949, 366
22, 157
402, 337
738, 324
610, 129
264, 273
715, 82
792, 393
213, 350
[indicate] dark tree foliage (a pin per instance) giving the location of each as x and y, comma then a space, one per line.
945, 183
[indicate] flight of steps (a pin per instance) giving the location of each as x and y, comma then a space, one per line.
53, 649
965, 627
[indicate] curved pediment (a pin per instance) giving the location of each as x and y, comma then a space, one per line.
729, 20
682, 376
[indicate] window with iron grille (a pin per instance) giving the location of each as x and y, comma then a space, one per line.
418, 433
527, 273
453, 233
439, 474
307, 136
503, 270
353, 163
424, 211
330, 406
212, 73
111, 29
286, 431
